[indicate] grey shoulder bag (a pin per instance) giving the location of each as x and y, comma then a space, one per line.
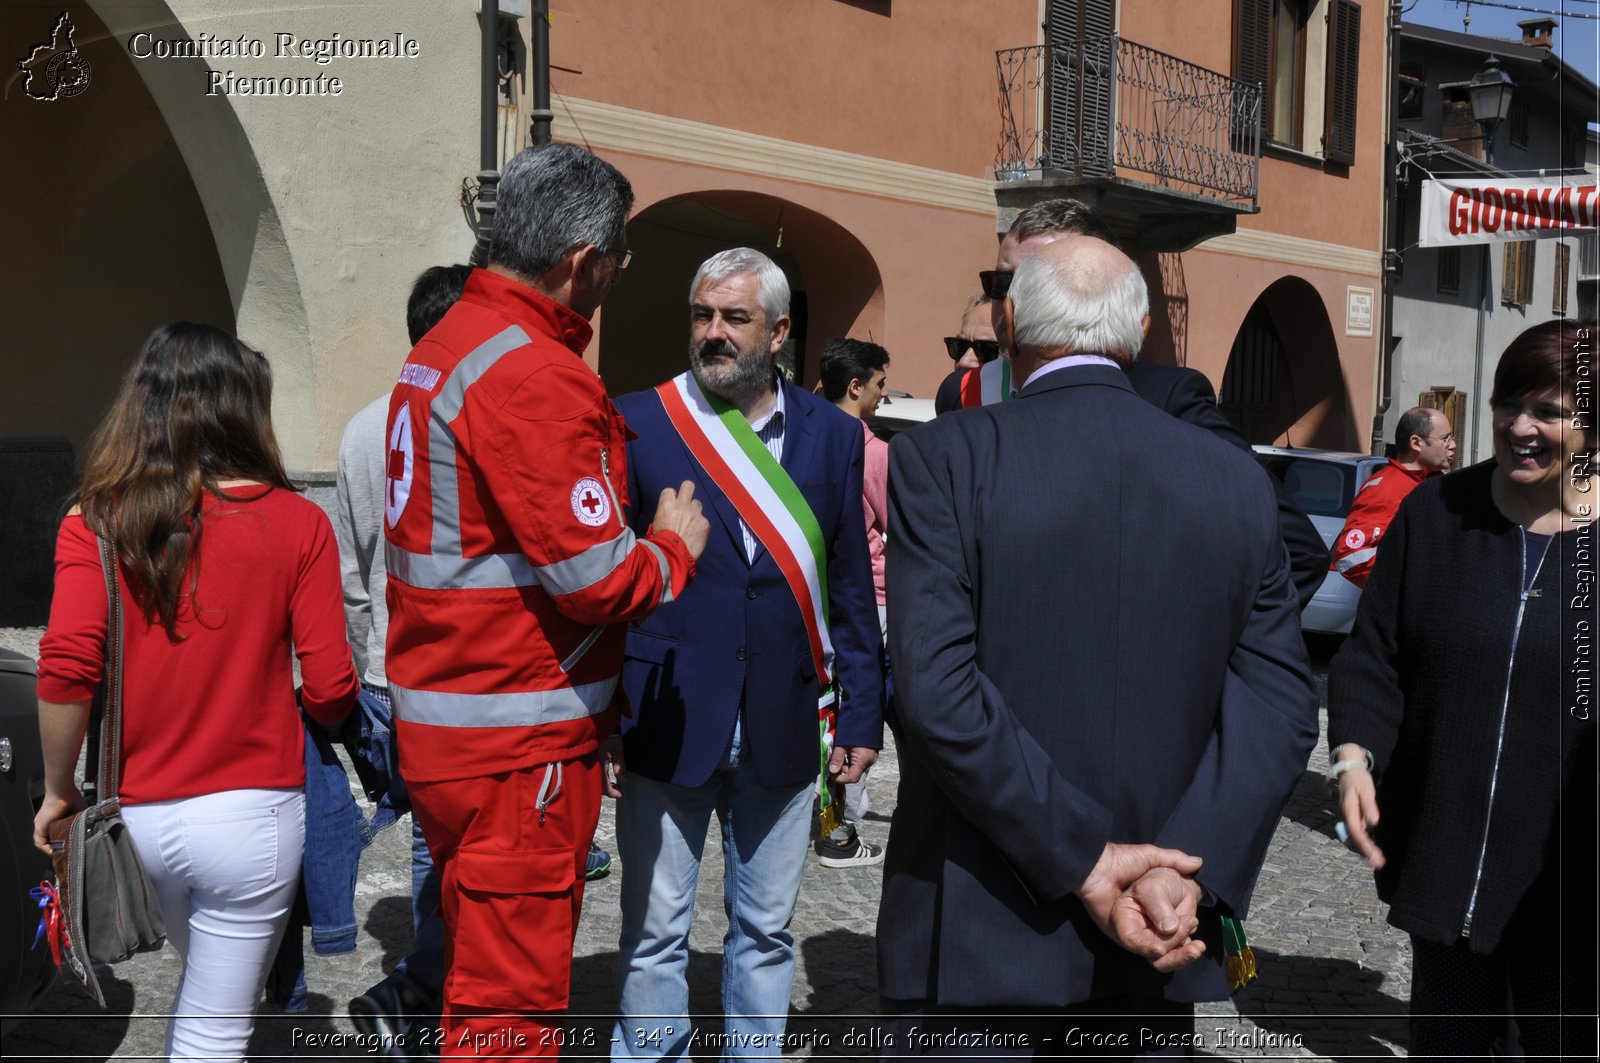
109, 909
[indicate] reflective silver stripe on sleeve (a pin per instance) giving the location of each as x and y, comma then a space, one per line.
587, 568
1350, 561
437, 572
666, 569
446, 407
521, 709
450, 572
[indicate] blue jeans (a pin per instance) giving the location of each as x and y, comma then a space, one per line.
423, 966
661, 832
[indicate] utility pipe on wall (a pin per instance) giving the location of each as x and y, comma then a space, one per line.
542, 115
488, 127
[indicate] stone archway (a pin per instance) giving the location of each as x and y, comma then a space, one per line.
835, 284
241, 221
1283, 383
108, 237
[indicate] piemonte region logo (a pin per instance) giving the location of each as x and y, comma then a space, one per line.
56, 69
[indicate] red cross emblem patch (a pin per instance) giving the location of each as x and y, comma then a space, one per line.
591, 503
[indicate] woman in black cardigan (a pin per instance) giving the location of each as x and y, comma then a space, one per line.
1460, 718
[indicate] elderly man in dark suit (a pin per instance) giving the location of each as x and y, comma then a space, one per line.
1102, 653
1183, 392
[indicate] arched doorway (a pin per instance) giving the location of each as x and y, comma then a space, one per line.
1282, 383
834, 284
109, 238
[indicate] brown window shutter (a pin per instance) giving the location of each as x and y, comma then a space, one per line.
1344, 67
1450, 402
1080, 87
1516, 283
1510, 268
1558, 298
1252, 40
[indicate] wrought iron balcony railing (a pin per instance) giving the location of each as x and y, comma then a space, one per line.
1103, 105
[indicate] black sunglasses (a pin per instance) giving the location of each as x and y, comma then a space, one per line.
996, 282
987, 350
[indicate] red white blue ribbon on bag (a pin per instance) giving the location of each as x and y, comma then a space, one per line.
52, 926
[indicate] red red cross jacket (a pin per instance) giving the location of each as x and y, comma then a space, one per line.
510, 562
1371, 513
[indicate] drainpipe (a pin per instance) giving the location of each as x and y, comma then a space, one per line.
1477, 358
1390, 265
488, 127
542, 115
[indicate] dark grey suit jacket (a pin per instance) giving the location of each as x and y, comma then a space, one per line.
1095, 639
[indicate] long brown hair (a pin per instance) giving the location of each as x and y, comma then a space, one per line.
195, 408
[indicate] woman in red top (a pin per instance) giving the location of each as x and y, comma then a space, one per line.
226, 575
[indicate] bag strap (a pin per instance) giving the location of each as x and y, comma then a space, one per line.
110, 782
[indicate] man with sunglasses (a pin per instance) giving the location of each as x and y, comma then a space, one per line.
972, 347
1182, 392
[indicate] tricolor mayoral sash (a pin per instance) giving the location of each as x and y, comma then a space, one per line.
988, 384
726, 447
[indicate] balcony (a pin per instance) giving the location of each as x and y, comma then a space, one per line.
1168, 151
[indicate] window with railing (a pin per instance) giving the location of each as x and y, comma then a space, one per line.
1116, 107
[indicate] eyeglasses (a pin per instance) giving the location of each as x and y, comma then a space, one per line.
996, 282
986, 350
1443, 441
624, 256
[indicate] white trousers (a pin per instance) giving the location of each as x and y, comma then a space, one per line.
226, 867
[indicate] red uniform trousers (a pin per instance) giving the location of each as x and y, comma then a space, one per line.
511, 887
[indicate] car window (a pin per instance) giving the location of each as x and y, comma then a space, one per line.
1321, 488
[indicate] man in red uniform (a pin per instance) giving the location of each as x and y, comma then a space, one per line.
1423, 447
510, 568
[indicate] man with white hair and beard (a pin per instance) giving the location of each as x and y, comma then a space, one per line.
1103, 694
726, 682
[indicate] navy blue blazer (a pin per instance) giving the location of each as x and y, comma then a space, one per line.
736, 636
1095, 639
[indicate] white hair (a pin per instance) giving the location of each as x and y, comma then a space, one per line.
772, 287
1077, 305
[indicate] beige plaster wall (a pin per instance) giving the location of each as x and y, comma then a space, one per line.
324, 208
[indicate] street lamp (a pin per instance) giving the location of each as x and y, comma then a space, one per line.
1489, 91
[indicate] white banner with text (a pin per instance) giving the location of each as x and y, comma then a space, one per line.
1512, 208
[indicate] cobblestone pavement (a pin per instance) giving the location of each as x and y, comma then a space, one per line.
1333, 985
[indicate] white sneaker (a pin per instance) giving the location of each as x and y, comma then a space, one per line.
862, 854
